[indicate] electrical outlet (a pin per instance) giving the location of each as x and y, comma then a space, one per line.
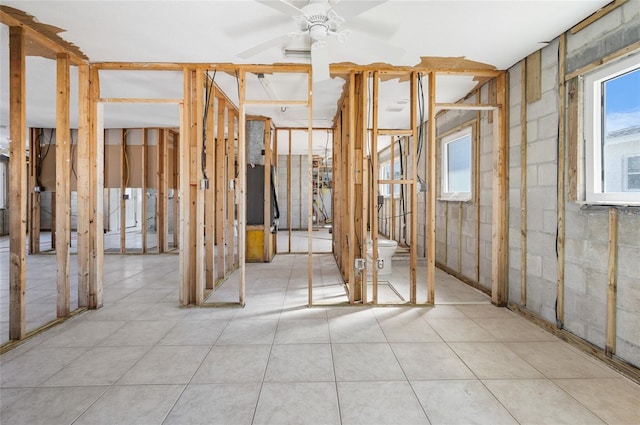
38, 189
204, 184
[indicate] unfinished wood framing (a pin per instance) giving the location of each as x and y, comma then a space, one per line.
33, 207
162, 185
84, 186
561, 177
63, 192
186, 254
17, 179
96, 199
289, 203
375, 186
597, 15
143, 174
523, 184
221, 190
573, 138
124, 177
350, 180
413, 248
210, 187
612, 282
499, 287
231, 185
431, 181
310, 189
242, 185
198, 192
534, 76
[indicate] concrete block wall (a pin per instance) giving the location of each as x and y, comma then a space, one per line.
462, 252
586, 226
299, 191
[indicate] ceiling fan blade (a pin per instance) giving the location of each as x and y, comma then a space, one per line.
351, 9
241, 29
282, 6
374, 27
320, 63
258, 48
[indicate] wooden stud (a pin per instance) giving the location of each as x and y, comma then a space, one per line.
523, 184
310, 189
375, 185
176, 185
363, 195
573, 138
96, 184
460, 237
143, 173
84, 185
477, 152
446, 232
186, 256
274, 237
289, 204
562, 55
210, 191
161, 183
612, 283
534, 76
413, 248
608, 58
231, 180
222, 187
17, 179
124, 178
197, 185
266, 243
353, 297
431, 180
392, 167
63, 194
499, 253
242, 186
33, 206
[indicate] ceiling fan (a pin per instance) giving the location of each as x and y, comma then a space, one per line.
322, 21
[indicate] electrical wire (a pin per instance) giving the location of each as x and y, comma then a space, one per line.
208, 91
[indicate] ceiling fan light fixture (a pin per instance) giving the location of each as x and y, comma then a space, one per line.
318, 31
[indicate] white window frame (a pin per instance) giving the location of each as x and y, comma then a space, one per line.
445, 195
592, 89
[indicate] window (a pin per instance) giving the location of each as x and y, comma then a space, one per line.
632, 173
612, 133
456, 166
385, 174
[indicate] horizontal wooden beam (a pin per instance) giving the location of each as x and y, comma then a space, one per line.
597, 15
277, 102
392, 132
467, 106
405, 181
137, 100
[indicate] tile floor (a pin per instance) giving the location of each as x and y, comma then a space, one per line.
143, 360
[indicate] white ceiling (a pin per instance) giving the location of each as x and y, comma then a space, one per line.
498, 33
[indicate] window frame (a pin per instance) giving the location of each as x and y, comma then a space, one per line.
625, 172
593, 110
445, 195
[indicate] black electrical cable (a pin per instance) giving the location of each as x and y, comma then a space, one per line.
208, 91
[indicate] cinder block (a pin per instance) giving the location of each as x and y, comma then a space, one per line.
550, 221
547, 175
550, 74
629, 262
547, 104
629, 228
514, 259
532, 131
592, 33
631, 12
541, 244
575, 278
549, 56
629, 295
548, 128
575, 225
534, 265
598, 226
574, 251
596, 254
550, 269
628, 351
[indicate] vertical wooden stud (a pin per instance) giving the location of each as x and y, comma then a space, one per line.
222, 187
163, 223
431, 180
266, 242
612, 283
231, 185
96, 179
413, 249
143, 173
561, 174
124, 173
17, 179
289, 205
523, 183
499, 202
84, 185
197, 183
34, 197
210, 191
242, 186
351, 232
310, 189
375, 186
185, 192
63, 195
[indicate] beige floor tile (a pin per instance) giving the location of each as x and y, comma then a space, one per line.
485, 311
452, 330
84, 334
297, 403
490, 360
166, 365
248, 331
138, 332
514, 329
379, 403
295, 331
430, 361
48, 406
98, 366
194, 332
8, 396
313, 363
234, 364
615, 400
460, 402
540, 401
132, 405
211, 404
36, 366
366, 362
355, 328
557, 360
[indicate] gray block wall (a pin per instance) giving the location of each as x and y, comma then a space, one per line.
586, 227
299, 191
